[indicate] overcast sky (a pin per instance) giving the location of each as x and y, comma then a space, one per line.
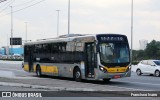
87, 17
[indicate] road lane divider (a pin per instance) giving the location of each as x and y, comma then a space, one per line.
141, 83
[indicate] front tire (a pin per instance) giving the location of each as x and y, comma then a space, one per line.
157, 73
38, 71
77, 75
138, 71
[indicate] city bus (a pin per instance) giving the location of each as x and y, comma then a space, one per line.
90, 57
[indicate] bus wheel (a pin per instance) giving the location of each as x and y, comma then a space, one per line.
77, 75
106, 80
38, 71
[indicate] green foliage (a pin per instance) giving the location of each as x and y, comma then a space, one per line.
135, 62
152, 51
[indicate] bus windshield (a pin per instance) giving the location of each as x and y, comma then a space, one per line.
114, 53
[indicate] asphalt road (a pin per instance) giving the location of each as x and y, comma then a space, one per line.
13, 73
19, 89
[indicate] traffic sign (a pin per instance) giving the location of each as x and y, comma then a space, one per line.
16, 41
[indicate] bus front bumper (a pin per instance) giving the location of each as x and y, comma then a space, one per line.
102, 75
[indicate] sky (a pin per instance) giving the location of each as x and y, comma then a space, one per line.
86, 17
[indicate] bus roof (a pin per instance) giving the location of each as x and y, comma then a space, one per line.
70, 38
63, 38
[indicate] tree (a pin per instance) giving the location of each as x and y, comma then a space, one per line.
152, 50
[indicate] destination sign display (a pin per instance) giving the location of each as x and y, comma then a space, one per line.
111, 38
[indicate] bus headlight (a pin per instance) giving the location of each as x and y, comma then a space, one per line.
129, 68
102, 69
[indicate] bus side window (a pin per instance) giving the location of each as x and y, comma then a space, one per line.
46, 48
49, 48
54, 48
39, 48
70, 46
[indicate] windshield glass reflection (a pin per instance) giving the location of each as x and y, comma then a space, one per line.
114, 53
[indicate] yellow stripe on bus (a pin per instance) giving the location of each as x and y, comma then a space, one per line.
34, 67
49, 69
116, 69
43, 68
26, 67
52, 69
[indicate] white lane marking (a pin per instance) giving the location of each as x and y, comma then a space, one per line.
10, 62
121, 87
129, 88
7, 74
13, 69
10, 74
139, 83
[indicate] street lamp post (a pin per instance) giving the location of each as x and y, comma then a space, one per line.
26, 31
131, 31
58, 22
11, 30
68, 17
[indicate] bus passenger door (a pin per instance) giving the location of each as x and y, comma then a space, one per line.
30, 59
90, 60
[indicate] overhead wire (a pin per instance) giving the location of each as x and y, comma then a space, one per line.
9, 4
4, 4
24, 8
24, 3
2, 1
28, 6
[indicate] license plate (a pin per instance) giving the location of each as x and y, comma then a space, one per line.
117, 76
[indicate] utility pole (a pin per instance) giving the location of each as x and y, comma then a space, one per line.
11, 30
7, 40
26, 31
68, 17
58, 22
131, 31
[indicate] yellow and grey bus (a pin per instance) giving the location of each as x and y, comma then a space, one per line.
89, 57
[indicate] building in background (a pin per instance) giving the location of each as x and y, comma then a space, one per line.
7, 50
4, 50
143, 44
